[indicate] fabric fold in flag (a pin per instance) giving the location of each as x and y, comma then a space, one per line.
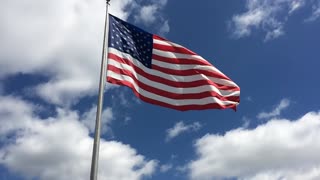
165, 73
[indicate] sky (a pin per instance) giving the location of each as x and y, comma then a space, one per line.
50, 54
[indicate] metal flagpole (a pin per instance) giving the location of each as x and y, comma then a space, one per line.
96, 143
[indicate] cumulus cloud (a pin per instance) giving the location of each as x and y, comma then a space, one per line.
14, 114
59, 148
284, 103
267, 16
279, 149
61, 40
180, 128
147, 14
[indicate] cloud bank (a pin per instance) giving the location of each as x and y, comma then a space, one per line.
44, 148
62, 41
279, 149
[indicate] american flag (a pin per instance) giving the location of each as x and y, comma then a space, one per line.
164, 73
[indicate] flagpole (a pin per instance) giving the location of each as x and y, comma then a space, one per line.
96, 143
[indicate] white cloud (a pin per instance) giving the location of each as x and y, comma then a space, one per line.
14, 114
149, 15
284, 103
249, 98
315, 13
295, 5
245, 22
165, 28
267, 16
165, 167
182, 169
127, 120
275, 33
180, 127
279, 149
89, 119
61, 40
245, 122
59, 148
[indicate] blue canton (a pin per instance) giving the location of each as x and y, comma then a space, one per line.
130, 39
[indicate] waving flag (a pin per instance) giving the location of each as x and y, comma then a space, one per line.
164, 73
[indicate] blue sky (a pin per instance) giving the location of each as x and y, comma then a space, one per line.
49, 69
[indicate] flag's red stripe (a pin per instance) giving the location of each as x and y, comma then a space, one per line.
181, 108
180, 60
173, 49
171, 95
169, 82
159, 38
189, 72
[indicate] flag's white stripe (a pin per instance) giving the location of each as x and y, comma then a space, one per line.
181, 66
167, 43
171, 89
185, 66
175, 102
195, 67
182, 56
169, 54
176, 78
